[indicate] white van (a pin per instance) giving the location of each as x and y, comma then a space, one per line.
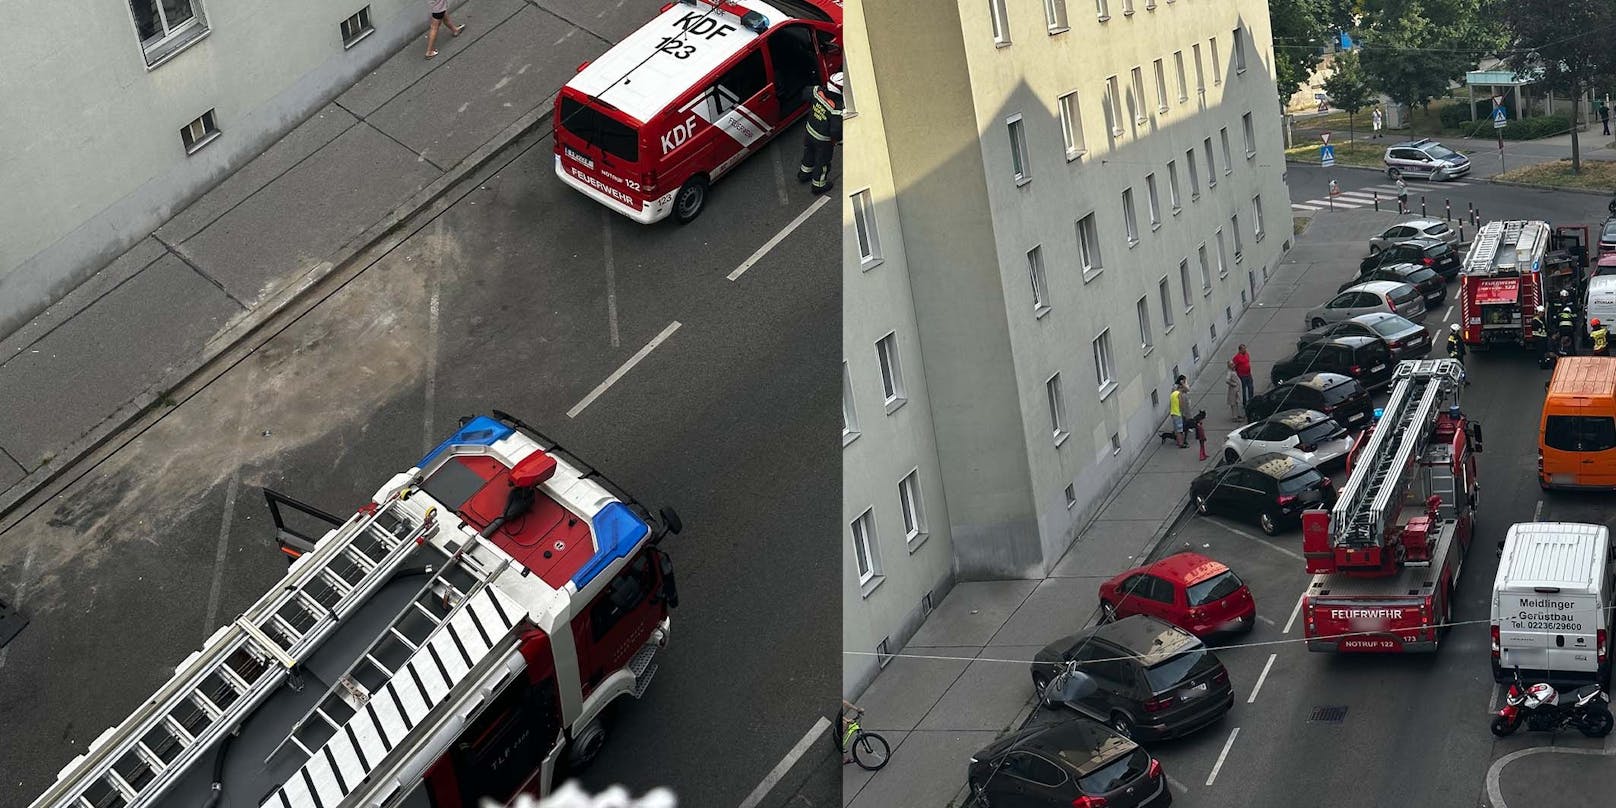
1551, 602
1601, 301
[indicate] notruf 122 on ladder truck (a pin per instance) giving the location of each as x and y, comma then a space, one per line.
1513, 270
449, 642
1383, 580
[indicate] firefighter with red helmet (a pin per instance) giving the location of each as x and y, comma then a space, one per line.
1600, 338
824, 132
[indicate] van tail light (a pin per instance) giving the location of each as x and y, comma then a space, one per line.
1154, 772
1156, 705
1089, 802
1599, 640
1495, 642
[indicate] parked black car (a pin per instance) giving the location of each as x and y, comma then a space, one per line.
1428, 252
1069, 762
1340, 397
1270, 489
1419, 276
1405, 338
1155, 680
1366, 359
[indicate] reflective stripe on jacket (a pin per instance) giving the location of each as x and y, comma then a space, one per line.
825, 119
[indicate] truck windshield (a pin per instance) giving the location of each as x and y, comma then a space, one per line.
600, 130
1213, 589
1580, 433
1175, 670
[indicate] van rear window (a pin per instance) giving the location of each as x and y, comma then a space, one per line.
1580, 433
599, 130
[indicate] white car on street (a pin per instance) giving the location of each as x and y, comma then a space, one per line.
1307, 435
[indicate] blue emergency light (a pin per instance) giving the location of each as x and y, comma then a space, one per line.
1379, 412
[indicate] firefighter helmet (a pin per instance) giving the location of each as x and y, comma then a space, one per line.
1595, 322
1454, 328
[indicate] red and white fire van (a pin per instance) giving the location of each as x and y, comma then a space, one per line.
648, 126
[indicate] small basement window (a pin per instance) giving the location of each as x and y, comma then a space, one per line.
199, 133
356, 28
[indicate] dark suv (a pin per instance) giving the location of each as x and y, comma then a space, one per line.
1340, 397
1155, 680
1419, 276
1429, 252
1063, 761
1366, 359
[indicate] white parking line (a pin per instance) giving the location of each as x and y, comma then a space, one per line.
778, 237
1222, 756
1445, 316
1294, 612
622, 371
1268, 620
1174, 784
1270, 545
772, 779
1537, 511
1262, 678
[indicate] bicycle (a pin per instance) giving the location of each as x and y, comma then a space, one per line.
870, 751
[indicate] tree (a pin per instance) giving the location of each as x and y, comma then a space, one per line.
1413, 58
1565, 42
1347, 89
1301, 29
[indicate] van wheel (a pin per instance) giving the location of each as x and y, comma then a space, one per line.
690, 200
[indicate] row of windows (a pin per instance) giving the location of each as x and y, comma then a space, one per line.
866, 545
1056, 22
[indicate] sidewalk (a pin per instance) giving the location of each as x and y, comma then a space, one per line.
937, 711
340, 182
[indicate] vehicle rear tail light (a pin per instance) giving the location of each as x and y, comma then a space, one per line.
1156, 705
582, 65
1327, 408
1495, 642
1154, 771
1428, 261
1355, 370
1286, 499
1222, 675
1599, 639
1390, 304
1089, 802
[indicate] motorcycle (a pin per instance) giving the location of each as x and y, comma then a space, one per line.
1539, 708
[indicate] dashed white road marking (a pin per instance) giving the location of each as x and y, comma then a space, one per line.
1262, 678
1294, 612
1270, 545
1174, 784
780, 769
778, 237
1268, 620
1537, 511
1447, 314
1227, 745
611, 274
624, 369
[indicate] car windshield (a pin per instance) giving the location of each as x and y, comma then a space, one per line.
1440, 151
1300, 482
1438, 229
1391, 326
1422, 275
1339, 393
1319, 432
1115, 774
1609, 232
1174, 670
1215, 588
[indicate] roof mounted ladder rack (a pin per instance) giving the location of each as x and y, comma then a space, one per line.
218, 686
1484, 249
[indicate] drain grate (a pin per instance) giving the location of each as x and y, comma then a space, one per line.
1329, 715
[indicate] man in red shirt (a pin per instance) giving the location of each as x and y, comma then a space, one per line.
1242, 368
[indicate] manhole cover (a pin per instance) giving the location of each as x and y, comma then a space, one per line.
1329, 715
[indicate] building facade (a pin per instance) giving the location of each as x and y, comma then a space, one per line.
120, 113
1079, 198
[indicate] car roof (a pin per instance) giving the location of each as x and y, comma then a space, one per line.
1187, 568
1381, 287
1148, 639
1275, 464
1420, 223
1355, 340
1413, 144
1092, 739
1297, 418
1318, 380
1399, 266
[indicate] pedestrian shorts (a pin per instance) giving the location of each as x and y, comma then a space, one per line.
1178, 423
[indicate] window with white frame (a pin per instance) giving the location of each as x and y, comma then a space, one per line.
886, 350
1206, 269
1152, 201
1161, 86
1071, 120
1113, 105
1102, 362
1223, 255
1102, 8
166, 26
1228, 156
869, 241
865, 551
1035, 273
1020, 166
1137, 75
1200, 74
1142, 309
1195, 176
1184, 283
1088, 245
1217, 64
1057, 409
1183, 88
1055, 15
1256, 210
199, 133
1130, 222
914, 511
849, 414
1172, 186
1251, 135
1239, 243
1165, 289
1240, 50
1001, 22
1211, 165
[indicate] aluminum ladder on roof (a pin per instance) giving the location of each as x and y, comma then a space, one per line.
1378, 481
218, 686
1484, 249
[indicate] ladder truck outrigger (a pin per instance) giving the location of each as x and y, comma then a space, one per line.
1513, 270
458, 638
1384, 573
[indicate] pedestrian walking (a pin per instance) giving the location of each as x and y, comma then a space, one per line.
1178, 403
1231, 381
440, 16
1402, 195
1375, 120
823, 133
1604, 116
1242, 368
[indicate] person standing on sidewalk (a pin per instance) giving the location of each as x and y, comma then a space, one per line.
1375, 120
1178, 403
1604, 116
823, 133
440, 16
1231, 381
1242, 368
1402, 195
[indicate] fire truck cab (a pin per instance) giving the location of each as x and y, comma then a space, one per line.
648, 126
1386, 558
1516, 269
458, 638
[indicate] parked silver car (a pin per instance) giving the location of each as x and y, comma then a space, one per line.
1425, 158
1413, 229
1397, 298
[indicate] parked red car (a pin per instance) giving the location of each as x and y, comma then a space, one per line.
1189, 590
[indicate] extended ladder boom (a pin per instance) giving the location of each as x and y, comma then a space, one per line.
1379, 477
216, 688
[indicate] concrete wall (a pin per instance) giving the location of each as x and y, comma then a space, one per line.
90, 150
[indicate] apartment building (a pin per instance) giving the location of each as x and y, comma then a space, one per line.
120, 113
1052, 208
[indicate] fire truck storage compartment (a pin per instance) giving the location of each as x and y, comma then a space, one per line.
1551, 603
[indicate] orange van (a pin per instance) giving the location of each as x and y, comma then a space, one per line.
1577, 436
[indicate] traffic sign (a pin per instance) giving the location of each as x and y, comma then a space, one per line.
1500, 118
1327, 155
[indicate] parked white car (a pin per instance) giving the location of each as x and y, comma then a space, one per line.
1307, 435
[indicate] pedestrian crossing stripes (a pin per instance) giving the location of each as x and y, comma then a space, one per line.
1366, 197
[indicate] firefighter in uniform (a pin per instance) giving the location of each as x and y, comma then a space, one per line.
1540, 331
1456, 346
1600, 338
824, 132
1568, 320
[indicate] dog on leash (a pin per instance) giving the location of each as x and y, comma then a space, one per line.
1189, 426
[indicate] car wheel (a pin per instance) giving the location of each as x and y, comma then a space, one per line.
1393, 174
691, 200
1201, 505
1039, 685
1318, 322
1108, 612
1268, 523
1122, 724
1231, 456
979, 795
1374, 249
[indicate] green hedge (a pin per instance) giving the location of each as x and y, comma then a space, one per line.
1537, 126
1455, 116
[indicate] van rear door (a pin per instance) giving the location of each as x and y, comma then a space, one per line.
1548, 631
600, 146
1578, 445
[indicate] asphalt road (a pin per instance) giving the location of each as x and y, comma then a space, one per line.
523, 296
1415, 726
1309, 182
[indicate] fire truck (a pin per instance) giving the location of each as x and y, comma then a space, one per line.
1513, 270
1386, 557
453, 640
